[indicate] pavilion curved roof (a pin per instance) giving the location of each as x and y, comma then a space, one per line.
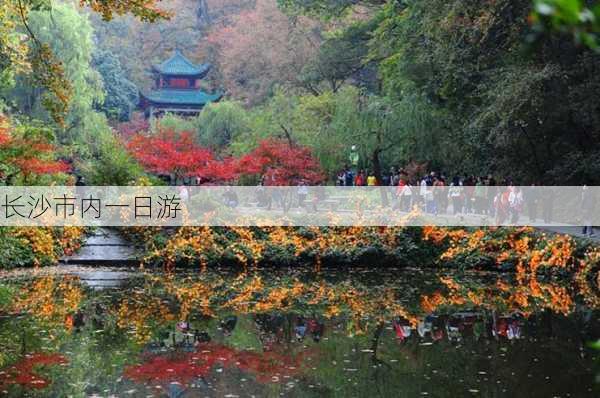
182, 97
179, 65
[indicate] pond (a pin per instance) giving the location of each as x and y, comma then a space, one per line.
392, 333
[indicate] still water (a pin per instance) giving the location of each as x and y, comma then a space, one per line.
393, 333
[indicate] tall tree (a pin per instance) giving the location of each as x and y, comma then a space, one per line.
69, 36
121, 95
281, 163
34, 56
261, 48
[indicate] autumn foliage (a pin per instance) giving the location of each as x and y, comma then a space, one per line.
281, 163
261, 46
27, 153
168, 152
171, 153
4, 135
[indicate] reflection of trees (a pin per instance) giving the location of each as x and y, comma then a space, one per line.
268, 308
381, 369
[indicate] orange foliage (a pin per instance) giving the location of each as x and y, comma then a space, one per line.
50, 299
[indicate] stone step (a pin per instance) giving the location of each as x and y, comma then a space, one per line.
105, 247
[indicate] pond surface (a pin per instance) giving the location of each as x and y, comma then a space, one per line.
394, 333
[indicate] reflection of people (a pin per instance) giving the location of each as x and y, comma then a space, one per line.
402, 329
453, 329
514, 330
425, 326
300, 329
228, 324
316, 329
506, 326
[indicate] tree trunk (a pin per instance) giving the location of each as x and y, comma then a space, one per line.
378, 175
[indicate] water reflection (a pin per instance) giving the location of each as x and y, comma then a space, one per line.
396, 333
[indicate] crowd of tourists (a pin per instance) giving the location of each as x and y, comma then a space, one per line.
468, 194
435, 193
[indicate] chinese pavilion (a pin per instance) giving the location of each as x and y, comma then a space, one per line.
177, 88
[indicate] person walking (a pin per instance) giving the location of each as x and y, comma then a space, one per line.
531, 201
455, 195
348, 178
515, 200
371, 180
439, 195
502, 206
587, 210
360, 179
480, 196
492, 193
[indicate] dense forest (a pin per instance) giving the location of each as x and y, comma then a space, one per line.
508, 87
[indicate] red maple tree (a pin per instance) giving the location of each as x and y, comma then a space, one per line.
28, 153
168, 152
218, 171
281, 163
137, 124
171, 153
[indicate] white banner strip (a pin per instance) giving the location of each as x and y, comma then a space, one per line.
299, 206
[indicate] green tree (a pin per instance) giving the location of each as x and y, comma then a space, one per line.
22, 52
342, 57
121, 95
220, 123
69, 35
